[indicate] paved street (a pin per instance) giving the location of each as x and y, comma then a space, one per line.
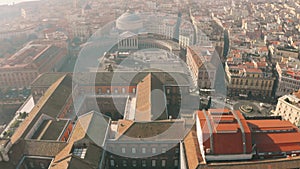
235, 104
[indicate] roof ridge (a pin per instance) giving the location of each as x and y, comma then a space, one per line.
60, 160
36, 110
124, 131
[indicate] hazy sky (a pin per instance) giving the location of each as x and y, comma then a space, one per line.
4, 2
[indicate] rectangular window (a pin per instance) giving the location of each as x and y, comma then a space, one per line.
116, 91
153, 150
107, 90
80, 152
133, 150
163, 163
134, 163
212, 74
153, 162
123, 90
144, 163
31, 164
123, 150
42, 165
163, 150
143, 150
168, 91
176, 150
124, 162
99, 91
112, 162
175, 163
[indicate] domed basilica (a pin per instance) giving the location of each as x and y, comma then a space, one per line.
129, 22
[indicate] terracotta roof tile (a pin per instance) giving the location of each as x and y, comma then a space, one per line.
226, 134
155, 130
254, 70
36, 111
192, 150
270, 124
84, 128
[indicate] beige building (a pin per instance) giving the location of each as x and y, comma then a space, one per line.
167, 28
288, 107
246, 81
202, 29
80, 29
21, 69
288, 79
186, 40
186, 35
287, 53
203, 72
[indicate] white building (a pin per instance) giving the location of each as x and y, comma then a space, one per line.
186, 34
167, 27
127, 41
288, 107
81, 30
288, 79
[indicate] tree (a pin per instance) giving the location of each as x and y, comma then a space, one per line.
109, 68
200, 104
23, 115
208, 104
226, 43
76, 41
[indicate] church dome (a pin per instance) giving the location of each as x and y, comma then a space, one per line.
129, 22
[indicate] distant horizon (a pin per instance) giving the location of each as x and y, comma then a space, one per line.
10, 2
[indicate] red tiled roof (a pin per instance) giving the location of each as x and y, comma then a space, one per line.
263, 49
272, 135
277, 142
249, 64
297, 94
192, 150
275, 42
270, 124
219, 111
230, 59
235, 51
261, 64
255, 70
227, 132
223, 118
229, 143
226, 128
